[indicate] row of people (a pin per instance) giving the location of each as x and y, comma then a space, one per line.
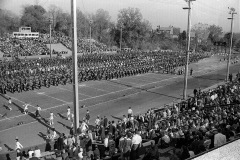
31, 74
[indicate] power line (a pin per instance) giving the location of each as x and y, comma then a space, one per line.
169, 2
205, 6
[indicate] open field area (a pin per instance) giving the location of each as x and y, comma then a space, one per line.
113, 97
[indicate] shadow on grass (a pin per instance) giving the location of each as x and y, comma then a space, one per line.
64, 125
61, 116
43, 136
143, 89
8, 148
211, 78
41, 120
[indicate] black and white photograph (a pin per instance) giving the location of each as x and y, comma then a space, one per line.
119, 80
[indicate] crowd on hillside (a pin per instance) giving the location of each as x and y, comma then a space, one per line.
207, 120
23, 75
83, 45
11, 46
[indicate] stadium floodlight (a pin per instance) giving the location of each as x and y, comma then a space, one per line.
232, 12
188, 48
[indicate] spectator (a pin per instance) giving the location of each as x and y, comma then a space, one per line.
96, 153
64, 155
219, 138
30, 152
37, 152
136, 144
80, 154
8, 156
184, 153
19, 154
60, 142
130, 112
34, 157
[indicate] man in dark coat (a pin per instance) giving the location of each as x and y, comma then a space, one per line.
60, 142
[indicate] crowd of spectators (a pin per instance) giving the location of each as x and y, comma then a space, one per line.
12, 47
83, 45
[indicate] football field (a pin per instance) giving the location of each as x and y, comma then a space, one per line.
104, 98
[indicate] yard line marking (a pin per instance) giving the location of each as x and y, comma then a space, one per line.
2, 115
109, 93
138, 78
125, 83
18, 126
97, 89
72, 91
103, 81
52, 97
21, 101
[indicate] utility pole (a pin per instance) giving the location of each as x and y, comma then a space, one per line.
90, 22
121, 26
75, 66
188, 49
232, 12
50, 36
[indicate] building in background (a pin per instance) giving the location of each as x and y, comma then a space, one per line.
25, 32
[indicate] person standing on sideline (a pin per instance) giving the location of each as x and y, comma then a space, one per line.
9, 106
18, 144
97, 121
72, 119
37, 113
191, 72
51, 119
69, 113
130, 112
25, 111
87, 117
136, 144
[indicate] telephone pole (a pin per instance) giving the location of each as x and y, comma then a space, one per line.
188, 48
50, 36
232, 12
121, 26
75, 66
90, 23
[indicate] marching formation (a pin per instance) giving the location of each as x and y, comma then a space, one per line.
24, 75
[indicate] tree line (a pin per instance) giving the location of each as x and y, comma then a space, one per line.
137, 32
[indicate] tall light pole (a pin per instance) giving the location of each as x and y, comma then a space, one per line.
50, 36
90, 23
75, 66
188, 49
121, 26
232, 12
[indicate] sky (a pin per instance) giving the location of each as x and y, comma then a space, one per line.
158, 12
